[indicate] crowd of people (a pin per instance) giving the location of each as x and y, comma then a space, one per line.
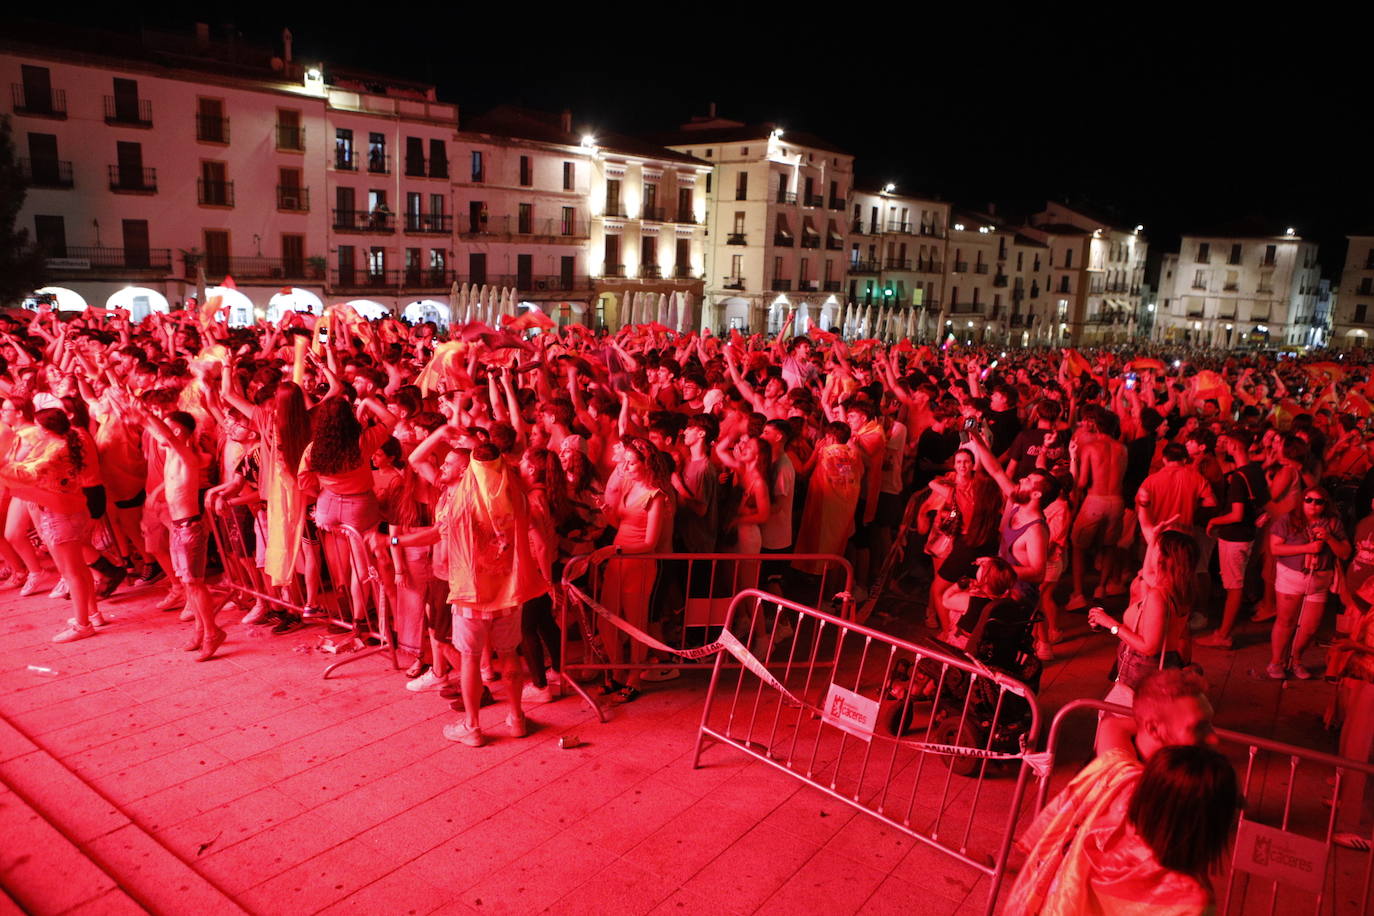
476, 464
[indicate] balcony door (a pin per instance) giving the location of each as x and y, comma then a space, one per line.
293, 255
565, 271
524, 272
126, 99
216, 253
129, 157
136, 251
43, 159
50, 233
37, 89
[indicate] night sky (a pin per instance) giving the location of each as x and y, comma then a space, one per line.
1181, 120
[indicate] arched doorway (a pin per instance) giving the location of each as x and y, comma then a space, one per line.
422, 310
293, 299
139, 301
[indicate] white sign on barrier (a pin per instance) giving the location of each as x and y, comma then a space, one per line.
1281, 856
852, 712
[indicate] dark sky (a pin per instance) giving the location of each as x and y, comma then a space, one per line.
1179, 120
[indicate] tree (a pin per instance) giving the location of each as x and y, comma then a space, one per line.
22, 266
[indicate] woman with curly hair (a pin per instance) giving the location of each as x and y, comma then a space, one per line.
49, 476
339, 460
640, 505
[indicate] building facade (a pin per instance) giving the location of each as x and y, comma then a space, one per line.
1352, 315
1235, 290
897, 253
997, 280
776, 203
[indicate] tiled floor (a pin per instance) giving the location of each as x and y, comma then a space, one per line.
135, 777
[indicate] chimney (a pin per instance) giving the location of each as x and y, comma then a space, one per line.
566, 120
286, 45
202, 34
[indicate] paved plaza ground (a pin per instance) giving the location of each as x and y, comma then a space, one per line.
134, 779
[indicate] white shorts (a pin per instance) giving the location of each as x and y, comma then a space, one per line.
1233, 558
473, 634
1311, 586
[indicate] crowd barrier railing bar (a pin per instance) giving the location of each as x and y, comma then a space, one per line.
913, 735
241, 575
1282, 858
374, 634
690, 596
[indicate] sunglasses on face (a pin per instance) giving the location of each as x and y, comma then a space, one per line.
1314, 500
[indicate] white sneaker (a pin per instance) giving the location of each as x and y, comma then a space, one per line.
258, 614
553, 678
60, 590
462, 732
533, 694
427, 681
30, 585
96, 620
73, 633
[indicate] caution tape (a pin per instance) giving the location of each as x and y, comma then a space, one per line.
729, 642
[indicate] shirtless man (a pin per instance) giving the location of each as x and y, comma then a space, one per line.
1099, 463
1024, 531
181, 475
772, 403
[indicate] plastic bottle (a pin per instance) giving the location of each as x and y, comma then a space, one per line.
43, 671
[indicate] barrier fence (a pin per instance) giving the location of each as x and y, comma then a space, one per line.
923, 737
1283, 858
346, 556
672, 604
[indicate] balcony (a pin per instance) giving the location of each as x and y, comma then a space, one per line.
1269, 262
1227, 288
966, 308
291, 139
553, 229
999, 280
413, 278
1197, 285
814, 200
652, 214
46, 173
650, 272
50, 104
614, 209
735, 238
836, 203
682, 272
895, 226
415, 167
344, 160
781, 285
613, 270
932, 231
930, 267
808, 286
214, 193
783, 240
362, 221
210, 129
429, 223
980, 268
961, 267
133, 180
863, 267
896, 264
293, 198
91, 258
429, 278
688, 217
787, 197
733, 283
811, 241
378, 163
128, 112
251, 268
832, 286
834, 243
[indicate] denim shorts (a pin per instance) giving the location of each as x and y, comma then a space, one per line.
360, 511
188, 543
500, 634
63, 527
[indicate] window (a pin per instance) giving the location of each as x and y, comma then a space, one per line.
649, 209
742, 185
343, 149
1068, 259
777, 269
293, 255
216, 252
45, 170
1204, 253
346, 265
215, 189
437, 204
804, 274
136, 251
569, 176
708, 182
524, 271
613, 197
1199, 279
290, 194
686, 212
526, 173
50, 232
613, 267
1270, 254
376, 263
376, 154
736, 266
1359, 312
39, 97
415, 157
683, 263
211, 124
290, 134
1235, 254
438, 159
739, 223
478, 172
345, 207
477, 268
526, 219
648, 256
438, 260
1232, 281
477, 216
568, 224
567, 266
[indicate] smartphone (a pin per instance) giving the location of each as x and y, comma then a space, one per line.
970, 423
1131, 379
324, 335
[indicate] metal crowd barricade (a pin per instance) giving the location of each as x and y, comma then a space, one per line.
371, 626
700, 587
1283, 858
241, 574
914, 735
